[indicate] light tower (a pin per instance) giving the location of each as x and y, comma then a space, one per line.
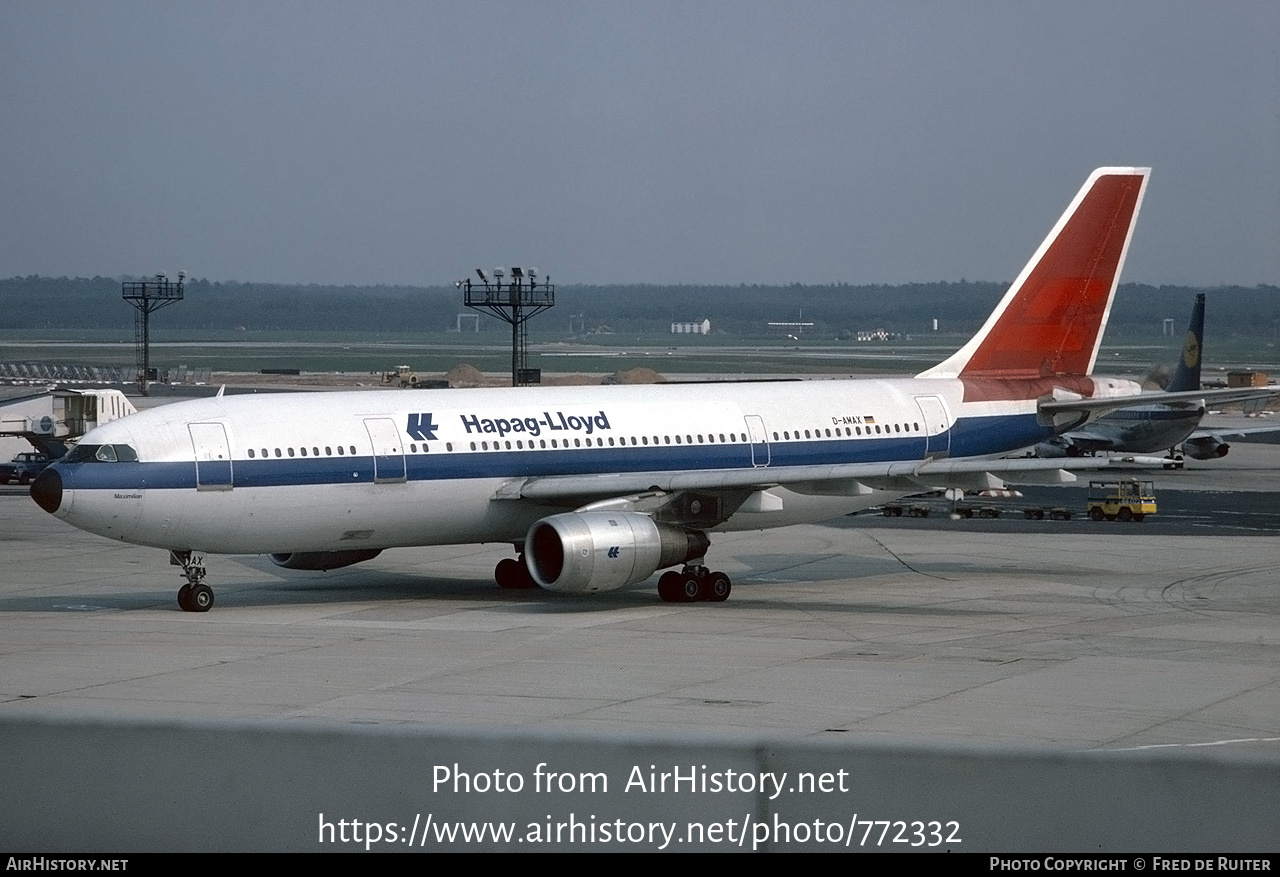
148, 296
514, 301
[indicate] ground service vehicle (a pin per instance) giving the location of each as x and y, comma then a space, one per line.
895, 510
1057, 513
23, 468
1127, 500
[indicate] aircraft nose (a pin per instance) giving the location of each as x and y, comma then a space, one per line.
46, 490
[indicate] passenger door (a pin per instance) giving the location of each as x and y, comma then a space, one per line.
759, 441
388, 450
936, 425
213, 456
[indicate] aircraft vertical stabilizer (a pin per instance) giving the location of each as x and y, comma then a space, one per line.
1187, 375
1051, 320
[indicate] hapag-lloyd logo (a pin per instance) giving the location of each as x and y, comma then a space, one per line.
552, 421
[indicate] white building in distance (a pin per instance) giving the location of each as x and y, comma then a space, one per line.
702, 328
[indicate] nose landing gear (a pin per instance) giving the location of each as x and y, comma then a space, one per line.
195, 595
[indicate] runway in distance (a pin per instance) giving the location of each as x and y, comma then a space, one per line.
1171, 427
597, 488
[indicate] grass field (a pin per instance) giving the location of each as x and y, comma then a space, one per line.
601, 354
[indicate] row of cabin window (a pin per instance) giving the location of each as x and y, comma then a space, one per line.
520, 444
850, 431
328, 451
613, 443
600, 442
315, 452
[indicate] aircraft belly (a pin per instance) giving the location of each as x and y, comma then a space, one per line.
327, 517
1170, 436
1154, 436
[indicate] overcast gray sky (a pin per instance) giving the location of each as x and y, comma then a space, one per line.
609, 142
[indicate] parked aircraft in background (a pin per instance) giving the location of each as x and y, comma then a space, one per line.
1167, 426
599, 487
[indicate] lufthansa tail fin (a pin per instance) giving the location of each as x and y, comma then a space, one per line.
1051, 320
1187, 375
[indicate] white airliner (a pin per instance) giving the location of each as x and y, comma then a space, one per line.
599, 487
1167, 426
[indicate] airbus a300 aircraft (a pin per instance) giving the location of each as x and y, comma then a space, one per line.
599, 487
1166, 426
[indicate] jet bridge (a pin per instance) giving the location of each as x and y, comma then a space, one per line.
50, 418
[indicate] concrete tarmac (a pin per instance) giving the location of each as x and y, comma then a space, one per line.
1078, 638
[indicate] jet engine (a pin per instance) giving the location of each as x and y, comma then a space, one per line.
323, 559
601, 551
1205, 447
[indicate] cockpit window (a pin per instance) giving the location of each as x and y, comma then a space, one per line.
81, 453
101, 454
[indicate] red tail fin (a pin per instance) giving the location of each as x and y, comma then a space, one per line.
1051, 320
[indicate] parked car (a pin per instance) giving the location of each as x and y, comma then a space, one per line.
23, 468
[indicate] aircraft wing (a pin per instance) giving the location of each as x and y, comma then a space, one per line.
844, 479
1116, 403
1234, 433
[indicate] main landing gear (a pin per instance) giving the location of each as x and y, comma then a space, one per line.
195, 595
513, 574
694, 584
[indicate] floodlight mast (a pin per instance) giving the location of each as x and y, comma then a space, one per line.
147, 296
515, 301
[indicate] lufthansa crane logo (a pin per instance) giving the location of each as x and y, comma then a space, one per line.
1191, 350
421, 428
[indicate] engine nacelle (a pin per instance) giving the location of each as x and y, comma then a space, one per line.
1205, 447
601, 551
323, 559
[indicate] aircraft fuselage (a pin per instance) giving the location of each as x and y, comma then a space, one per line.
336, 471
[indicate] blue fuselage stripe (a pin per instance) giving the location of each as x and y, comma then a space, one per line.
968, 437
